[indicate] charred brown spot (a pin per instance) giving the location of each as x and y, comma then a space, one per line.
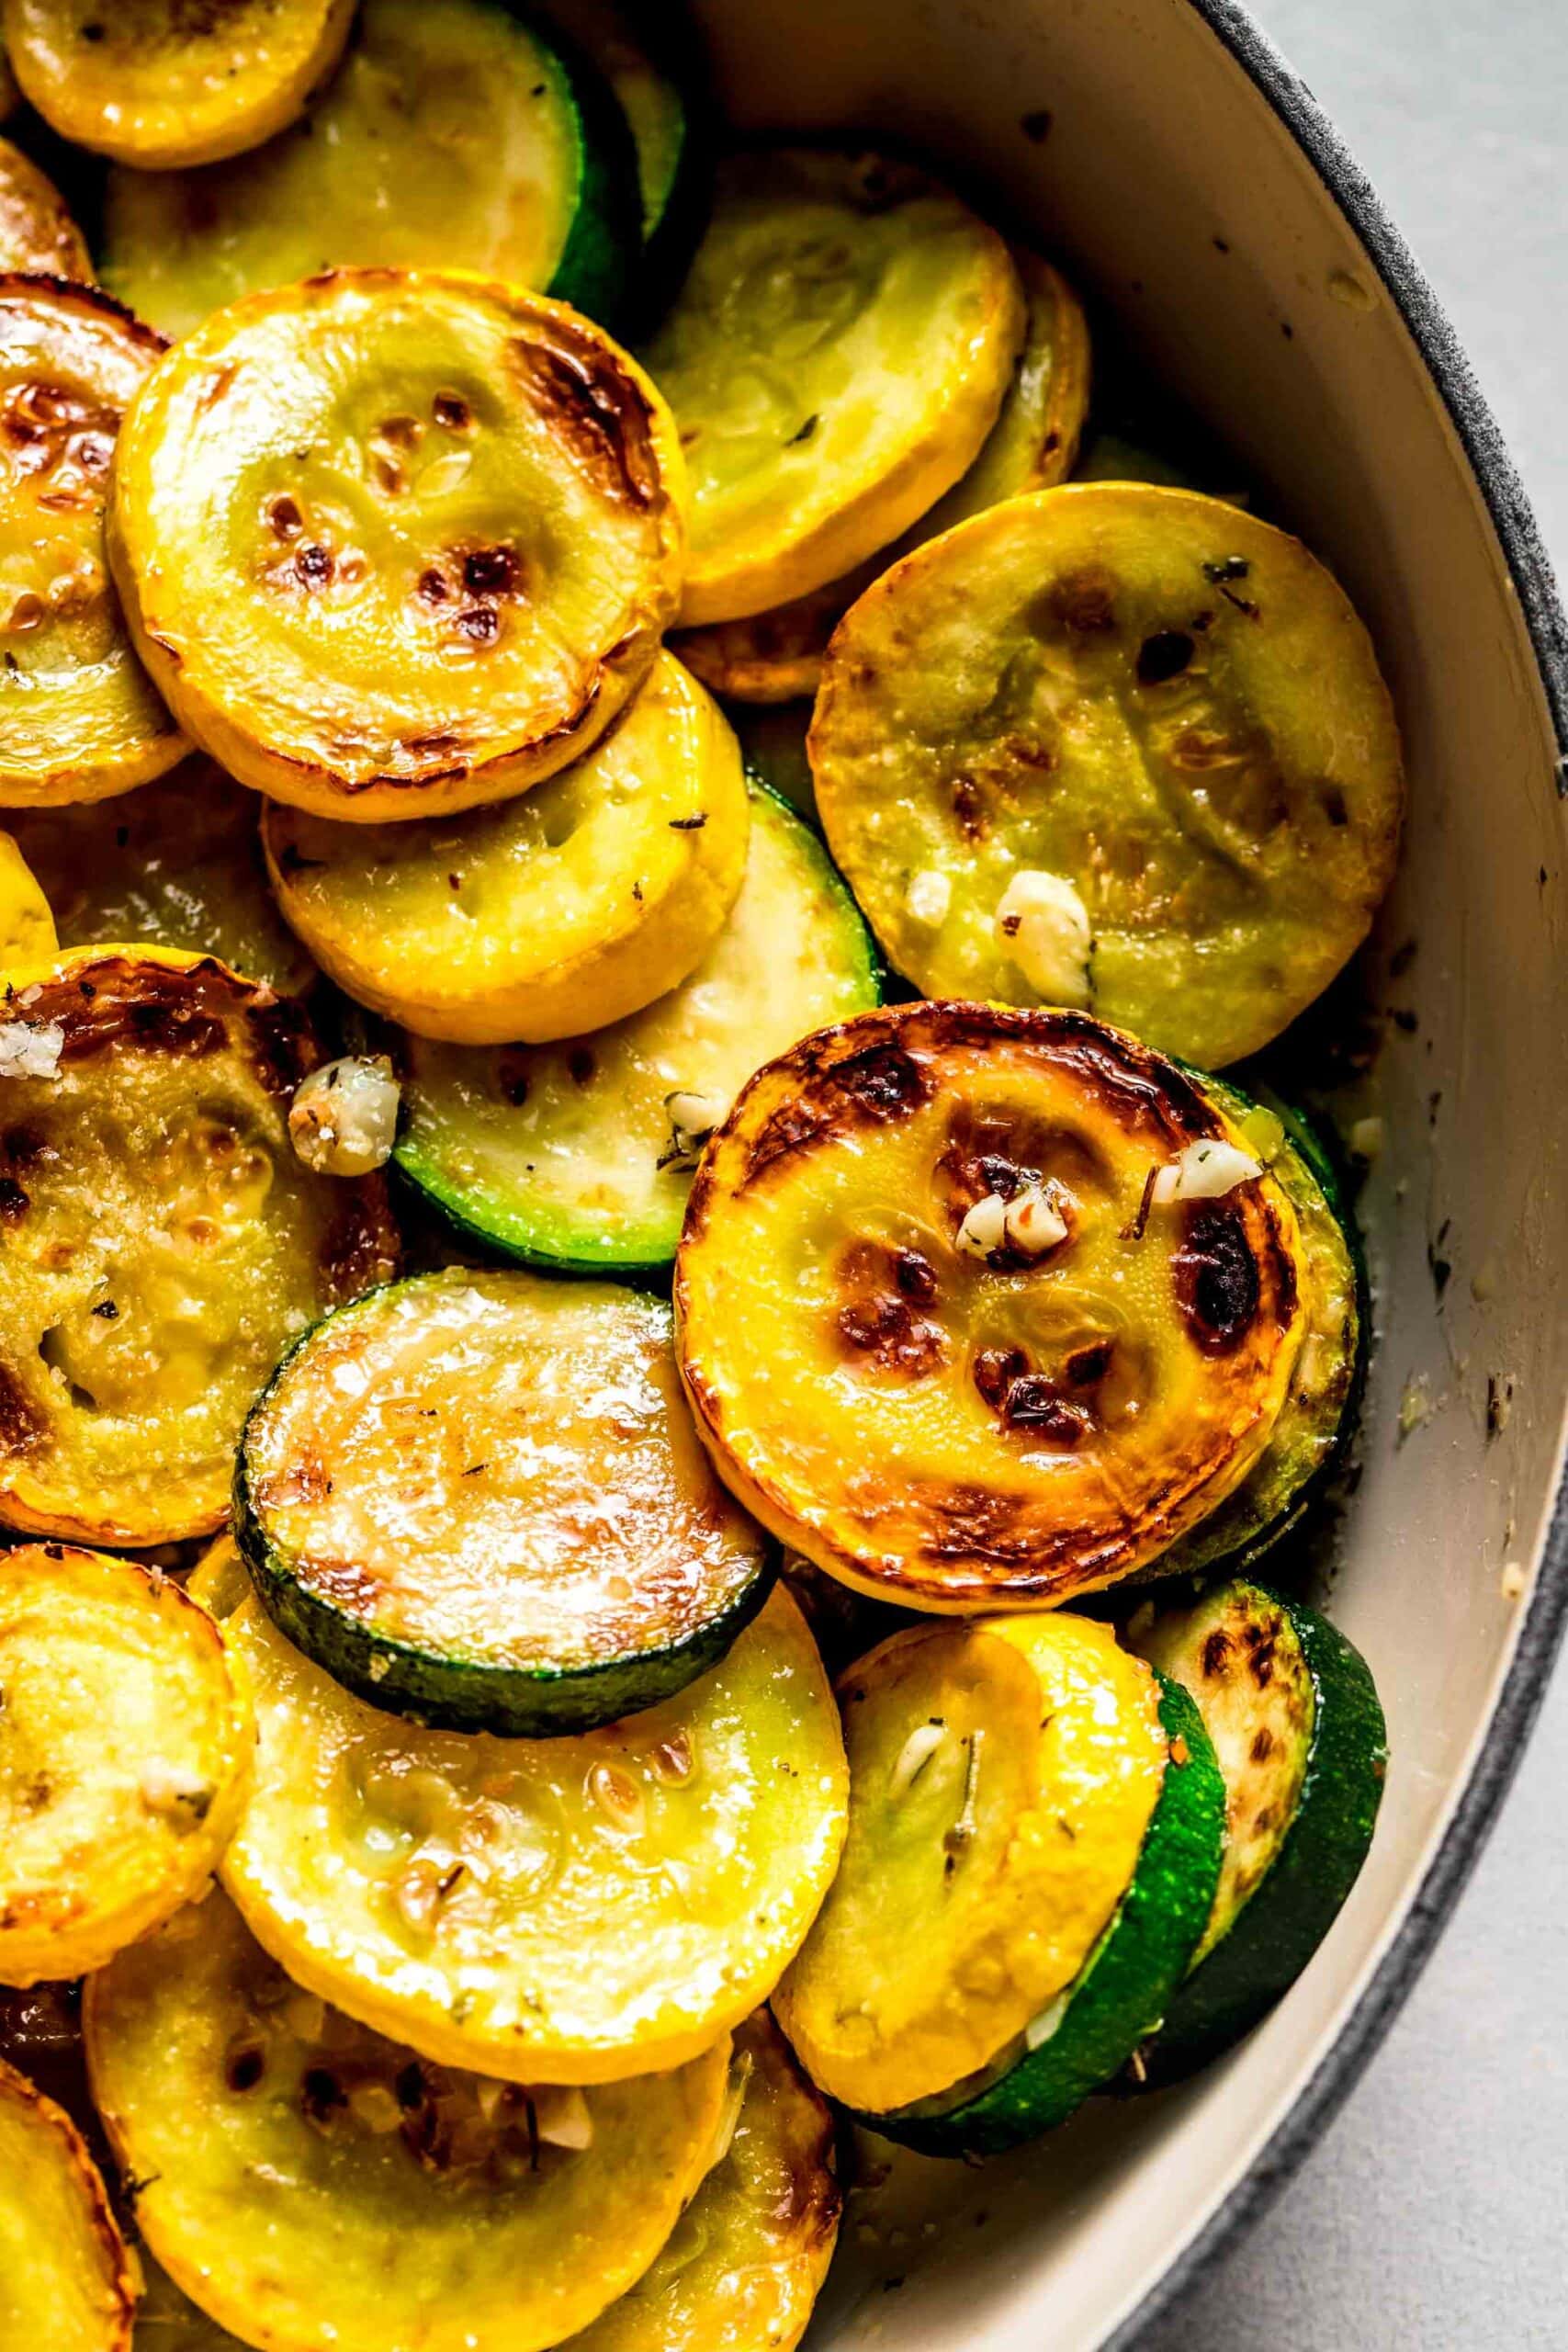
21, 1427
599, 414
314, 567
1086, 1367
995, 1370
450, 409
1216, 1653
285, 519
491, 572
967, 807
1216, 1278
1084, 603
433, 587
1036, 1404
897, 1340
360, 1246
26, 1148
1262, 1744
245, 2068
884, 1081
915, 1275
322, 2095
481, 623
1164, 656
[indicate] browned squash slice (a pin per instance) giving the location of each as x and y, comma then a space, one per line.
160, 1243
983, 1307
36, 232
67, 2282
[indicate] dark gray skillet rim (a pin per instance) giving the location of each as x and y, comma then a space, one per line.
1525, 1686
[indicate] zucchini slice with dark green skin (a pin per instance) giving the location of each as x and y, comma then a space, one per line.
577, 1157
657, 76
1089, 2031
1295, 1717
476, 1499
1319, 1414
455, 134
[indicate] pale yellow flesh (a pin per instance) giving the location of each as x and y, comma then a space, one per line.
66, 2278
1149, 695
394, 543
304, 2187
551, 914
431, 145
27, 925
79, 719
159, 1182
741, 2271
125, 1756
559, 1149
836, 358
1009, 1835
152, 82
510, 1471
776, 656
852, 1366
644, 1886
178, 862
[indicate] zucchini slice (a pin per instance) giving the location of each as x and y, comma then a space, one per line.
455, 136
477, 1499
1293, 1714
79, 719
1096, 2024
553, 913
310, 2183
836, 358
562, 1910
159, 84
1140, 739
942, 1327
570, 1157
1002, 1776
776, 656
657, 74
1318, 1415
747, 2257
177, 863
160, 1243
36, 232
27, 925
66, 2279
125, 1753
396, 544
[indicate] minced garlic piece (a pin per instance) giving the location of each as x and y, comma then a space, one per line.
30, 1048
693, 1118
183, 1797
929, 897
561, 2116
1365, 1138
1205, 1171
914, 1754
983, 1228
1514, 1579
1044, 928
344, 1118
1034, 1222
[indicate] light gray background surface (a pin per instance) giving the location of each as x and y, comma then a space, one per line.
1435, 2212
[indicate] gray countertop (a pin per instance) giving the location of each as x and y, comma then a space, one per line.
1432, 2214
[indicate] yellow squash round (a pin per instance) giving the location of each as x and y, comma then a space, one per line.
158, 83
836, 358
66, 2279
160, 1244
177, 863
551, 915
1001, 1778
36, 232
124, 1753
625, 1895
1145, 705
27, 925
79, 718
396, 543
741, 2271
312, 2185
776, 656
938, 1333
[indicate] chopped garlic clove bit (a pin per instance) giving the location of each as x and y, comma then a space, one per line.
180, 1797
693, 1118
929, 897
30, 1048
983, 1228
561, 2116
344, 1118
1205, 1171
1034, 1222
1044, 926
